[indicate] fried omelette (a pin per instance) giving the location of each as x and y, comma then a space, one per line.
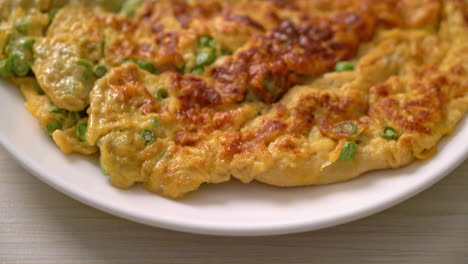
176, 93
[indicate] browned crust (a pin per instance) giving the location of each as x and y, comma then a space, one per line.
272, 107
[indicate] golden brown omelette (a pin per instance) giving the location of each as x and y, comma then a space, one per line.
177, 93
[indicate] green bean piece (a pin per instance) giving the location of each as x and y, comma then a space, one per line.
38, 88
344, 66
147, 135
226, 52
205, 58
18, 64
22, 46
271, 87
13, 45
5, 70
125, 61
8, 49
147, 66
389, 133
109, 5
181, 70
286, 41
213, 44
144, 65
347, 127
205, 41
28, 45
52, 14
161, 94
103, 47
22, 25
129, 7
81, 130
103, 171
198, 71
99, 71
76, 116
56, 109
349, 151
84, 63
156, 122
86, 75
50, 128
53, 108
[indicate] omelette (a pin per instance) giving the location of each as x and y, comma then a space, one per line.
172, 94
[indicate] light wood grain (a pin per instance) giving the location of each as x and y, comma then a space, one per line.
41, 225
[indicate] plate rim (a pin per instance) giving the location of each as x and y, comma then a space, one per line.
301, 226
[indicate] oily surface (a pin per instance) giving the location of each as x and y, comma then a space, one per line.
269, 106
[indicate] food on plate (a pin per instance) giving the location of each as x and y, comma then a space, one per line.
174, 94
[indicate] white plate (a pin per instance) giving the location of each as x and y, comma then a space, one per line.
225, 209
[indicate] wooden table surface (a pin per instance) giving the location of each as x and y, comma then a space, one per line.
41, 225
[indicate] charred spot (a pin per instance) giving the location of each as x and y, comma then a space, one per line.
145, 50
243, 19
148, 8
181, 12
233, 143
170, 41
168, 54
412, 126
281, 109
128, 90
123, 93
192, 116
278, 60
287, 144
125, 77
339, 51
269, 130
381, 90
301, 124
230, 79
185, 138
149, 106
310, 33
285, 4
186, 12
343, 106
459, 70
223, 120
158, 30
348, 18
332, 127
414, 115
365, 120
363, 25
466, 13
286, 32
338, 109
270, 85
121, 23
195, 91
274, 16
426, 71
124, 48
